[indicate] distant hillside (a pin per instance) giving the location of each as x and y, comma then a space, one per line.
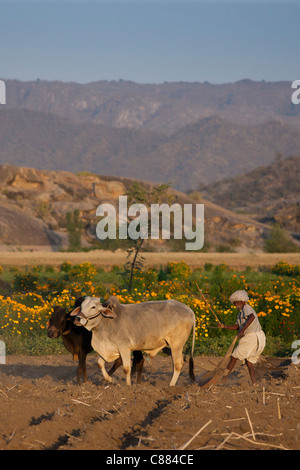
162, 108
34, 204
213, 148
203, 152
270, 193
46, 141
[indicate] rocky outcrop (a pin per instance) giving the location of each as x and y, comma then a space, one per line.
22, 229
34, 204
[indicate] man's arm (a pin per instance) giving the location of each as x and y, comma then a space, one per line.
228, 327
236, 326
248, 322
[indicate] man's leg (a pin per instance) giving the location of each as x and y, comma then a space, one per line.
251, 371
230, 366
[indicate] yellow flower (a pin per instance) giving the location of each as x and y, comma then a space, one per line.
261, 314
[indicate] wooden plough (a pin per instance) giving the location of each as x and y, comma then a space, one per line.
212, 377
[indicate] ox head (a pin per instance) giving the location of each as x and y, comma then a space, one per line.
90, 309
60, 323
57, 324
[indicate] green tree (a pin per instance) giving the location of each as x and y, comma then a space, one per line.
74, 228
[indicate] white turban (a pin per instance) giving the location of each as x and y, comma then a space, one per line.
239, 296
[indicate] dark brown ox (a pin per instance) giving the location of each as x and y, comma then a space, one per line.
76, 339
117, 329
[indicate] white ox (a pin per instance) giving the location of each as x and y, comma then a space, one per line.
117, 329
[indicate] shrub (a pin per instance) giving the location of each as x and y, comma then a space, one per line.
179, 270
279, 242
66, 266
208, 267
25, 282
284, 269
82, 272
74, 228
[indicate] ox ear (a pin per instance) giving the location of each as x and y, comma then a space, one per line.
107, 312
75, 312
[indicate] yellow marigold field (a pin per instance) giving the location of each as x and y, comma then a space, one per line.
274, 296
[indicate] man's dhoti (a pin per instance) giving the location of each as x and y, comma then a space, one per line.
250, 347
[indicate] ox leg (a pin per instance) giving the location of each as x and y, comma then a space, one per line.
137, 364
126, 359
115, 366
139, 367
177, 365
101, 364
81, 369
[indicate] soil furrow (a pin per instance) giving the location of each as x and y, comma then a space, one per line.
131, 439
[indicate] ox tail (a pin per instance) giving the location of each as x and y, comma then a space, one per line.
191, 361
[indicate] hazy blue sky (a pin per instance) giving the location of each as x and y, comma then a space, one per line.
150, 41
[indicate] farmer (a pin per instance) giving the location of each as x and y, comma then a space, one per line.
252, 339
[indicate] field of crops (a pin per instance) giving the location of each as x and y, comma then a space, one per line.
274, 293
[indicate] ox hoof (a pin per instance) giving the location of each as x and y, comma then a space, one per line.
110, 381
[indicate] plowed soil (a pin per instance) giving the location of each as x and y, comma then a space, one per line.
43, 408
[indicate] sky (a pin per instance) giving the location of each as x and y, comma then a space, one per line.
150, 41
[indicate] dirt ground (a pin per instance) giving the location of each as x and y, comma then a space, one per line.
43, 408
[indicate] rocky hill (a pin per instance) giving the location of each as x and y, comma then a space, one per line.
268, 193
34, 204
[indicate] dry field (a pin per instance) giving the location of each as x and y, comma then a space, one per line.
42, 407
108, 259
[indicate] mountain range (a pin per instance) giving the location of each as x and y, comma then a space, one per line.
162, 108
186, 134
